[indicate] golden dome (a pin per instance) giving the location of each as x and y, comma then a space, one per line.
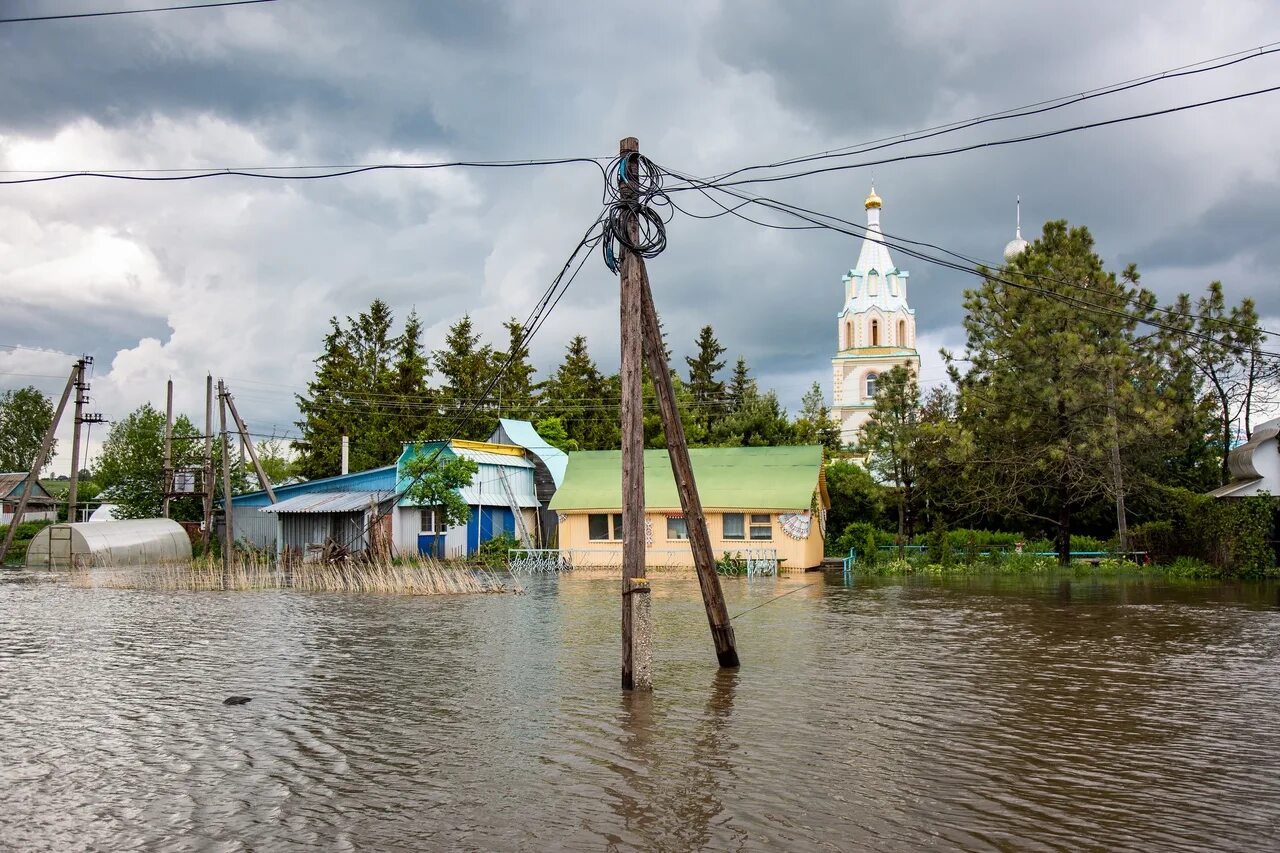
873, 200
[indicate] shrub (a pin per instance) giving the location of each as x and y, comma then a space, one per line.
493, 552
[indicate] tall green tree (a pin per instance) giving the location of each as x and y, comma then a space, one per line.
367, 385
1225, 344
585, 401
130, 468
741, 386
889, 439
25, 415
760, 422
704, 383
515, 390
814, 425
1041, 401
465, 366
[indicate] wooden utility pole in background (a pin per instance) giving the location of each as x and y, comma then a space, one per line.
642, 339
253, 454
168, 448
633, 561
228, 535
37, 464
207, 484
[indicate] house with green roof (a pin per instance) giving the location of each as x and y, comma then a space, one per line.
768, 498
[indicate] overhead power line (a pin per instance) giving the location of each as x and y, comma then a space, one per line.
131, 11
270, 172
751, 199
1043, 106
834, 223
994, 143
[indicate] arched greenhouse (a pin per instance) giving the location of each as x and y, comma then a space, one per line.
147, 541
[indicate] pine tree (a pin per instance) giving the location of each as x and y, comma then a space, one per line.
412, 368
515, 389
814, 424
465, 367
889, 439
585, 401
741, 386
706, 388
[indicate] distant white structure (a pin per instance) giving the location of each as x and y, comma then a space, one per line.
1017, 245
104, 512
1254, 465
875, 328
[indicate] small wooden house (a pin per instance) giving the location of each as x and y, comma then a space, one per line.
754, 498
41, 506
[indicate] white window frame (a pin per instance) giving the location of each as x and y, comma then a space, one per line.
742, 526
754, 524
684, 522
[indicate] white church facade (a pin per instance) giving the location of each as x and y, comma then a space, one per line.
875, 329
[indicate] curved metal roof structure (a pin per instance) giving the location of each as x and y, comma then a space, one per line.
147, 541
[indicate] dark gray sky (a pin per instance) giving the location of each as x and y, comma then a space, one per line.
238, 277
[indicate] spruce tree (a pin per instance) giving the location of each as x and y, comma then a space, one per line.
585, 401
704, 368
741, 386
465, 367
515, 390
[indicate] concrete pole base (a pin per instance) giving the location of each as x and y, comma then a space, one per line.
641, 636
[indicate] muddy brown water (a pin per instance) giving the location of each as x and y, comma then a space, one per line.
969, 714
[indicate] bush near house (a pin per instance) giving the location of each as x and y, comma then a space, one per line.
26, 531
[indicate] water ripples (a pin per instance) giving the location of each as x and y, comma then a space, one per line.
974, 714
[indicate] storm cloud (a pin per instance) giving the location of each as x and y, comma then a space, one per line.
237, 277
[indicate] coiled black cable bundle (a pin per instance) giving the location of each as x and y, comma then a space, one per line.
641, 207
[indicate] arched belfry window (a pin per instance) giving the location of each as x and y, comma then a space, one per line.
873, 283
848, 335
875, 333
902, 333
871, 386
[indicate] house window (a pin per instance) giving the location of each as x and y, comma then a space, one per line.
848, 336
599, 528
761, 525
677, 528
871, 386
734, 525
431, 520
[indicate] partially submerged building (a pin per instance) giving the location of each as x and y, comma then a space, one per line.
502, 497
549, 464
139, 542
754, 499
41, 506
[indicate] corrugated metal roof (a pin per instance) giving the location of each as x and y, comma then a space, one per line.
487, 458
371, 480
318, 502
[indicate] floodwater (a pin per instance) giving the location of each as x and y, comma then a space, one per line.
972, 714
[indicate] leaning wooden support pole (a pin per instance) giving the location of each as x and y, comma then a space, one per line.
263, 480
704, 558
207, 475
633, 561
37, 464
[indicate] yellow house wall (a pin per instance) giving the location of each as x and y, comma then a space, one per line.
797, 555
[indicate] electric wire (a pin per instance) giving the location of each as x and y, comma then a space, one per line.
897, 242
132, 11
268, 172
994, 143
1036, 108
817, 218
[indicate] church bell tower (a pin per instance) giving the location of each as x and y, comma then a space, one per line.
875, 328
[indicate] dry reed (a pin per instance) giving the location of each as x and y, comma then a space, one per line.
418, 576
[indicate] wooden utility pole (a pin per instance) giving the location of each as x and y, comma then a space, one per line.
633, 560
228, 535
207, 484
168, 449
253, 454
642, 339
73, 488
704, 559
38, 463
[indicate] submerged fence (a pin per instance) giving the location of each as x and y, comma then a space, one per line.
538, 561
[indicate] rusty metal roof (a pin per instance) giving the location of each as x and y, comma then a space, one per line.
320, 502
